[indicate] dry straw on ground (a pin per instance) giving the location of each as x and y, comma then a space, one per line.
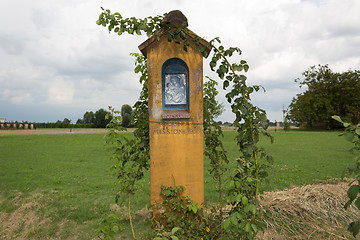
309, 212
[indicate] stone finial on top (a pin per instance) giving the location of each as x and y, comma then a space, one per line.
177, 18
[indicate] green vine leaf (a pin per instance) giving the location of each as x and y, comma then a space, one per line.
226, 83
357, 131
357, 203
174, 230
354, 228
353, 192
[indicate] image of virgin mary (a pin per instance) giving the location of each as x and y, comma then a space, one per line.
175, 89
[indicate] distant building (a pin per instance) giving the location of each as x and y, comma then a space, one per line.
2, 120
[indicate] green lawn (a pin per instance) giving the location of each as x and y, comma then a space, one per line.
304, 157
300, 157
70, 171
68, 177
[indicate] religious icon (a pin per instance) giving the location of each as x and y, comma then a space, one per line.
175, 89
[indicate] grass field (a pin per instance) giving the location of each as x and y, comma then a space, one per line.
58, 186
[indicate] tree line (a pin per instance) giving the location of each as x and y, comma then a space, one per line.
92, 119
328, 93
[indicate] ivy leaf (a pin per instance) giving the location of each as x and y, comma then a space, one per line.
182, 35
137, 69
253, 209
220, 73
238, 198
247, 208
234, 220
142, 27
223, 68
175, 229
354, 228
353, 192
244, 200
225, 84
238, 68
212, 65
247, 227
349, 136
337, 118
253, 226
226, 224
169, 38
246, 67
357, 131
357, 203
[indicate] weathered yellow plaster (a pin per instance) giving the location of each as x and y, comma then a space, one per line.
176, 145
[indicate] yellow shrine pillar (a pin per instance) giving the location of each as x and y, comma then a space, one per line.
175, 83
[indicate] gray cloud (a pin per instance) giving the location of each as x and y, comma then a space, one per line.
56, 62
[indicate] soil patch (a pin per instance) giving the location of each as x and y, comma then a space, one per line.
25, 220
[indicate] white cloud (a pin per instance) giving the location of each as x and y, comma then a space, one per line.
61, 92
24, 99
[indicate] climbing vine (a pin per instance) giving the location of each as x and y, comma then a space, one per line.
214, 148
130, 156
243, 219
352, 134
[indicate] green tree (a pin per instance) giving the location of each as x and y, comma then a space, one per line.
328, 93
79, 121
126, 115
100, 120
352, 134
286, 119
66, 121
89, 117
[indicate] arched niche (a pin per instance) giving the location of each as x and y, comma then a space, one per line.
175, 88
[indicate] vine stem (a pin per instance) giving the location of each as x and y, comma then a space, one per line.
256, 173
220, 194
251, 126
131, 223
252, 137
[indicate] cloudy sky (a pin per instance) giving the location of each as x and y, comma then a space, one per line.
56, 63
